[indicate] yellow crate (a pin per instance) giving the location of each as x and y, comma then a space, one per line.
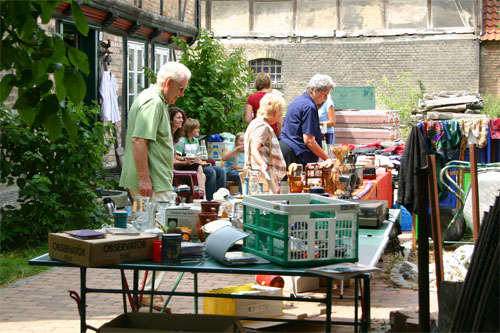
244, 307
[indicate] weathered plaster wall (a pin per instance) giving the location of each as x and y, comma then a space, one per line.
322, 17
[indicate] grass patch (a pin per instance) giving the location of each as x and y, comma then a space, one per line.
14, 265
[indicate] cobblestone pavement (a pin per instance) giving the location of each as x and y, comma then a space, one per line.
42, 303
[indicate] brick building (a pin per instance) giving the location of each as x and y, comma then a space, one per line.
359, 42
124, 37
138, 33
490, 48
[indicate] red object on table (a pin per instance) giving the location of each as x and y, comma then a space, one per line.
384, 187
381, 189
157, 251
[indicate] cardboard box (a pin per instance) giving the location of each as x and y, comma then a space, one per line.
113, 249
217, 149
244, 307
301, 284
161, 322
187, 218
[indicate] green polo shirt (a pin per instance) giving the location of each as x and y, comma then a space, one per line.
184, 146
149, 119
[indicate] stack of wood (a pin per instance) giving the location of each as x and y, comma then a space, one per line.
449, 105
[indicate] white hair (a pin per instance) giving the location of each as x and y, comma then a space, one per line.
321, 82
174, 70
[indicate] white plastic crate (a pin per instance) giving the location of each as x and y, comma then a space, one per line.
301, 229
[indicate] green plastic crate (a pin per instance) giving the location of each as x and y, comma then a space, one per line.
301, 229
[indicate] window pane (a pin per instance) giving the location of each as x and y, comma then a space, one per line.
270, 66
139, 60
139, 81
130, 60
131, 89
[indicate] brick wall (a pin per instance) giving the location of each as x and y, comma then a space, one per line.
490, 68
441, 64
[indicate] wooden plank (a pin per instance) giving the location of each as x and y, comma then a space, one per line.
431, 103
435, 221
450, 108
474, 188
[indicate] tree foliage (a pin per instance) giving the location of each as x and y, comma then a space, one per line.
30, 56
402, 95
48, 147
217, 92
57, 181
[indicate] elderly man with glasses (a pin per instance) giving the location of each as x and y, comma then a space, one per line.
149, 151
300, 140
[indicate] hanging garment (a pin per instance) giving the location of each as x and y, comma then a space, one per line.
476, 128
451, 139
433, 130
495, 128
109, 97
414, 158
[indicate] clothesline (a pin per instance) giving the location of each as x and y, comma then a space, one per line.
446, 138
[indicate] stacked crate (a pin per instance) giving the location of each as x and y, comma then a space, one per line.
363, 127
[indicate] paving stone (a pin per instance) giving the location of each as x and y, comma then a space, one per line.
45, 297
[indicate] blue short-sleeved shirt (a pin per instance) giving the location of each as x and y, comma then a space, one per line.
239, 159
301, 118
323, 112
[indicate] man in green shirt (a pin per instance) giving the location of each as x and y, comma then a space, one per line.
149, 151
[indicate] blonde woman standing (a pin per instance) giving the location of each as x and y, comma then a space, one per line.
261, 142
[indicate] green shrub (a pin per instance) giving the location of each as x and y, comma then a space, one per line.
57, 180
402, 95
217, 92
491, 106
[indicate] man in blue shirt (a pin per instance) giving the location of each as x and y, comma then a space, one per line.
300, 140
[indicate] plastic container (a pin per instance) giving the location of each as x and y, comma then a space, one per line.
406, 219
301, 229
270, 280
120, 219
244, 307
157, 250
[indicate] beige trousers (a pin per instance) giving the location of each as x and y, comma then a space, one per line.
159, 275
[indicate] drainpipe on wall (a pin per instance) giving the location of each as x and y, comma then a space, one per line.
198, 15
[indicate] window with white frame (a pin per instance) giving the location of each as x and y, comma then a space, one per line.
269, 66
161, 57
135, 73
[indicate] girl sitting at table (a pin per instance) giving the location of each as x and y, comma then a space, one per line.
188, 147
234, 160
177, 120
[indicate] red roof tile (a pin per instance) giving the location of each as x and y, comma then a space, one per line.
491, 20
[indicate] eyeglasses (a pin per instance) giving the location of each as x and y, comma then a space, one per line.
181, 88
